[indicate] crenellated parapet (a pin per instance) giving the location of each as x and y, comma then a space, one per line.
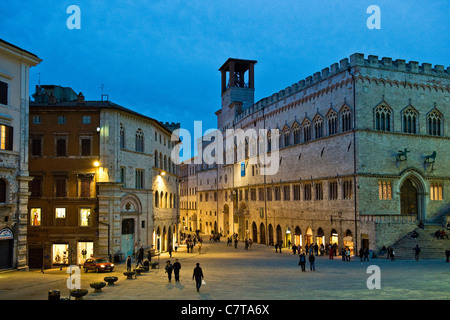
356, 60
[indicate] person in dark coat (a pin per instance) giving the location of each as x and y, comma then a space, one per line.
361, 253
129, 263
311, 262
302, 262
140, 257
198, 276
169, 269
176, 270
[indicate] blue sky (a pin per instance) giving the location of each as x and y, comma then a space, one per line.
161, 58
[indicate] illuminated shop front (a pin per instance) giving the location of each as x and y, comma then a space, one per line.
334, 237
60, 254
85, 250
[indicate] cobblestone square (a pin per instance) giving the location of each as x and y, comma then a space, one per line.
255, 274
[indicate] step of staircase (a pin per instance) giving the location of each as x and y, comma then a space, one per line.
430, 246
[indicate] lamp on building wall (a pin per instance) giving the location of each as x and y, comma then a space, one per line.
96, 164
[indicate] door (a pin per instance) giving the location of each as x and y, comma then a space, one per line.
35, 257
6, 250
127, 239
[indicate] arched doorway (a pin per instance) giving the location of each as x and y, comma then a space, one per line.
320, 237
226, 220
348, 241
262, 234
412, 193
279, 235
158, 239
254, 231
309, 235
164, 240
270, 234
6, 248
298, 236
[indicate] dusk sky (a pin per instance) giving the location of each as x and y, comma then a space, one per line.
161, 58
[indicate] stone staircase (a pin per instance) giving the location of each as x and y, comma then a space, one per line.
430, 247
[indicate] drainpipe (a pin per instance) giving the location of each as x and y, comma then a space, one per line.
354, 157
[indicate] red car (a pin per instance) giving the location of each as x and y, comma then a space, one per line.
98, 264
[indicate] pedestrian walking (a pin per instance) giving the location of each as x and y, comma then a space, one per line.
392, 254
312, 259
347, 254
302, 262
416, 252
343, 254
170, 250
176, 246
366, 254
235, 243
198, 276
294, 249
331, 252
129, 263
276, 247
140, 257
361, 253
192, 247
176, 270
280, 245
199, 247
169, 269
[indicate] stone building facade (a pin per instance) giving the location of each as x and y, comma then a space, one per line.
121, 187
361, 154
15, 64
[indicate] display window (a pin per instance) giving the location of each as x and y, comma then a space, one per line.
35, 217
60, 253
85, 250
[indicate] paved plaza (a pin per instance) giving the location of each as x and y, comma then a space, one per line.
256, 274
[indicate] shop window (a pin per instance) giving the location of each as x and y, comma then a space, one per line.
35, 217
60, 254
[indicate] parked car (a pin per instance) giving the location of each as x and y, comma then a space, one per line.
98, 265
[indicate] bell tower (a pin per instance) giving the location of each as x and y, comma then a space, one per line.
238, 89
238, 82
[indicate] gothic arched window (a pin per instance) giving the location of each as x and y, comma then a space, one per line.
139, 144
434, 123
383, 118
409, 121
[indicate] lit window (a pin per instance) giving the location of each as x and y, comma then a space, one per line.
85, 217
436, 191
60, 213
35, 216
384, 190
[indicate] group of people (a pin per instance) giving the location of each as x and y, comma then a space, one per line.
302, 262
175, 268
441, 234
390, 253
191, 242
